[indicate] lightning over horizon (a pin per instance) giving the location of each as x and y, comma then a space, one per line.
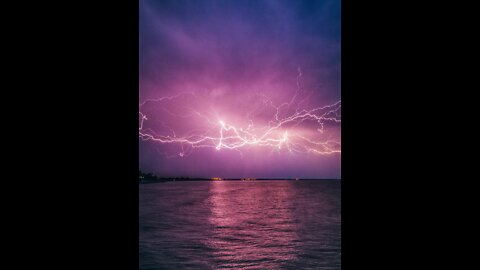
219, 134
240, 88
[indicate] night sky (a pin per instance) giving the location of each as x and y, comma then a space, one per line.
240, 88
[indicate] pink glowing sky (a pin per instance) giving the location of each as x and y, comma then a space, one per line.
240, 89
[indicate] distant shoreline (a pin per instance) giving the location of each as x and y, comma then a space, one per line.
234, 179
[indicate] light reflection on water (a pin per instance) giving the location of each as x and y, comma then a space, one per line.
260, 222
240, 225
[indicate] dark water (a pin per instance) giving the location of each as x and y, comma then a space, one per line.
240, 225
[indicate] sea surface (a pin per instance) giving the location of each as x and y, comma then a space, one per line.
240, 225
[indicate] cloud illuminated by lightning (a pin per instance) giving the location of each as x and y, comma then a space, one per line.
290, 127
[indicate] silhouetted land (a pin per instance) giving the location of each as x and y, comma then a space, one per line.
151, 178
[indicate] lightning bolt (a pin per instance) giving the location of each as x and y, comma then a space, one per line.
282, 132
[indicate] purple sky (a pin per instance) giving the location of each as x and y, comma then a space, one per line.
240, 88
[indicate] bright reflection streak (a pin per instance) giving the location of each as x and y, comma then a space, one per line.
247, 227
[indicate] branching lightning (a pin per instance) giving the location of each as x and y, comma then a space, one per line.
292, 128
